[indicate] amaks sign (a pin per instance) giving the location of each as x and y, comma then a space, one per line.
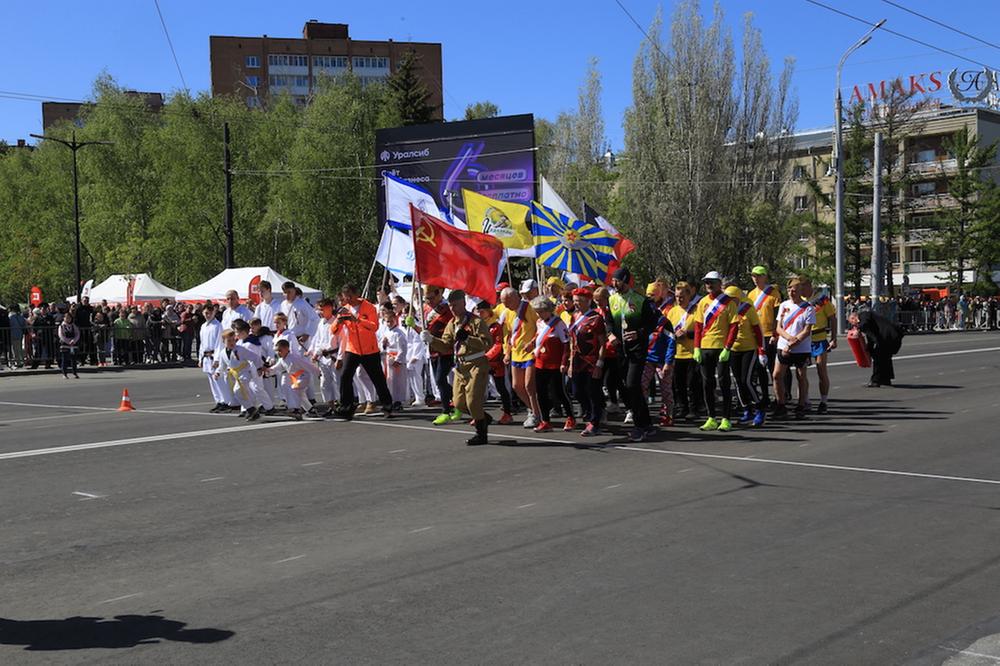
969, 86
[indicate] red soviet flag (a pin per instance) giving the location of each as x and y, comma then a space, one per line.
446, 256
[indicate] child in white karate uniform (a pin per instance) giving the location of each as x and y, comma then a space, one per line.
246, 340
239, 366
416, 355
392, 342
323, 351
299, 371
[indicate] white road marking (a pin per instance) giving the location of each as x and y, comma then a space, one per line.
686, 469
289, 559
213, 478
122, 598
318, 462
970, 653
144, 440
617, 485
105, 409
692, 454
422, 529
526, 506
803, 445
931, 355
397, 451
50, 418
87, 496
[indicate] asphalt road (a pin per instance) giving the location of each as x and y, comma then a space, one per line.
169, 535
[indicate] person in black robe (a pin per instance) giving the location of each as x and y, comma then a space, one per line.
883, 339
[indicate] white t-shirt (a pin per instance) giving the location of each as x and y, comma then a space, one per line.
794, 318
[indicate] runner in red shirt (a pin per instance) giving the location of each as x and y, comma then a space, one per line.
587, 338
551, 363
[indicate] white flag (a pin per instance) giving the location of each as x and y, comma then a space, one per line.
395, 251
400, 193
551, 199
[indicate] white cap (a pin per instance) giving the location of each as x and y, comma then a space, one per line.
527, 286
712, 275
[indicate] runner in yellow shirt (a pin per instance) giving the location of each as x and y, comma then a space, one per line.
765, 298
519, 327
715, 331
687, 379
748, 355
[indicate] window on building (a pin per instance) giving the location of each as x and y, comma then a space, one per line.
802, 262
287, 60
253, 81
301, 81
278, 80
922, 189
330, 62
798, 172
894, 256
370, 62
252, 62
918, 254
926, 155
801, 202
299, 61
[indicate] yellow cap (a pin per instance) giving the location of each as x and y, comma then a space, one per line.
650, 288
733, 291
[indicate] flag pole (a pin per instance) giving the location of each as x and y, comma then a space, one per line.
416, 277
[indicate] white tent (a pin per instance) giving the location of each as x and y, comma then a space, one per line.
244, 281
129, 289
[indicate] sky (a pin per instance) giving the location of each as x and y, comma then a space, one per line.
527, 57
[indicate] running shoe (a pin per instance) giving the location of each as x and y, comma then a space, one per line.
780, 412
636, 435
506, 419
442, 419
747, 416
570, 424
800, 412
628, 417
758, 418
822, 408
590, 431
455, 415
710, 424
666, 421
371, 409
418, 404
253, 413
530, 422
296, 414
725, 425
544, 426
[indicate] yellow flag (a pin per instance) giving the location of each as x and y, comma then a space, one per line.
504, 220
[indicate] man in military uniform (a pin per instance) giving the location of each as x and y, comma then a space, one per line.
469, 337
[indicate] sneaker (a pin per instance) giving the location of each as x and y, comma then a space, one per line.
506, 419
725, 425
311, 414
361, 407
387, 411
442, 419
570, 425
808, 406
455, 415
628, 417
296, 414
419, 404
780, 412
341, 415
652, 430
219, 406
666, 421
544, 426
758, 418
800, 412
531, 421
397, 406
371, 409
636, 435
254, 413
710, 424
590, 431
747, 416
822, 408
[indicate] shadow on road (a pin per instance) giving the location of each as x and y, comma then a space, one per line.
123, 631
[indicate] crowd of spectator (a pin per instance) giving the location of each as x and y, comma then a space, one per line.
924, 313
105, 333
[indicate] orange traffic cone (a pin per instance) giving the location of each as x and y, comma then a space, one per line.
126, 405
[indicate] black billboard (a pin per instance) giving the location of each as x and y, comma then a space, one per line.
492, 156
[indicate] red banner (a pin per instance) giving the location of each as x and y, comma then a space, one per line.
445, 256
36, 297
130, 292
253, 291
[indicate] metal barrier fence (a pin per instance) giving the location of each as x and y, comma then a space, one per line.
941, 320
36, 346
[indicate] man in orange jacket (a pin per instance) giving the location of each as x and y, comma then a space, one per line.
355, 324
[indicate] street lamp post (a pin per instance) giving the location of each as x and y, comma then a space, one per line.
74, 146
839, 186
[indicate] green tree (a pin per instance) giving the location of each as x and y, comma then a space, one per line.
479, 110
973, 213
410, 95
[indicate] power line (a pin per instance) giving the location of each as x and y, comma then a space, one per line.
170, 43
900, 35
942, 24
641, 29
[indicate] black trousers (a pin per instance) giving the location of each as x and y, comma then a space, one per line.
635, 397
688, 393
500, 382
590, 394
882, 371
440, 367
372, 363
762, 375
744, 365
614, 370
711, 367
549, 387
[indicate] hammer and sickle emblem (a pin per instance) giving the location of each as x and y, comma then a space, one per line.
425, 234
